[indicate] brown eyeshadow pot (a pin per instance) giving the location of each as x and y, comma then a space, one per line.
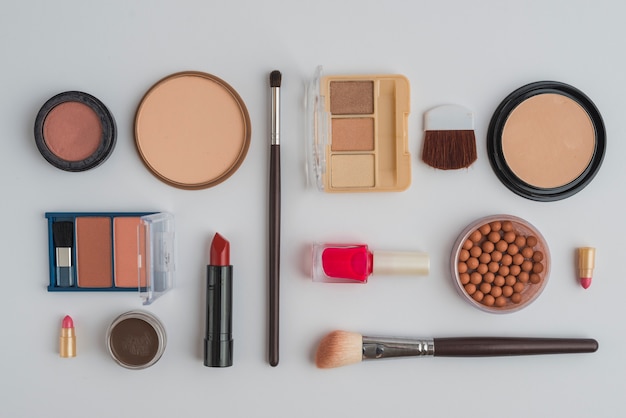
136, 339
74, 131
192, 130
546, 141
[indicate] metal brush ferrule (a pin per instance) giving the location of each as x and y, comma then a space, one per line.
275, 115
376, 347
64, 256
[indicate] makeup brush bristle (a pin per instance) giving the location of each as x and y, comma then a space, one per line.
339, 348
63, 234
275, 77
449, 139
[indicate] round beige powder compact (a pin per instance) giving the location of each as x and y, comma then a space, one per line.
546, 141
192, 130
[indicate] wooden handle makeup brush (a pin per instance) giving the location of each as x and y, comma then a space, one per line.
340, 348
274, 219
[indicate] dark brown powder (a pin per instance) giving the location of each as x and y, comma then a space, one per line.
134, 342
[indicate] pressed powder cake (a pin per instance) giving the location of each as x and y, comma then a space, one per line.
548, 140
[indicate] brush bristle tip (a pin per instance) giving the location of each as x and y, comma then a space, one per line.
339, 348
275, 78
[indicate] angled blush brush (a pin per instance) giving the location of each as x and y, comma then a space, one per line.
340, 348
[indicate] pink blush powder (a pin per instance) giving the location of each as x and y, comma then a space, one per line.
72, 131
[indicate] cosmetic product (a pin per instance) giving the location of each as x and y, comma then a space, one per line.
218, 341
586, 264
274, 220
546, 141
63, 236
67, 340
340, 348
357, 132
354, 263
192, 130
449, 139
112, 251
74, 131
136, 340
500, 263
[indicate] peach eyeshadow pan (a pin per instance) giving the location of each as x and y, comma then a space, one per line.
128, 237
546, 141
192, 130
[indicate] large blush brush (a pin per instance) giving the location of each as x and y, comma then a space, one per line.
340, 348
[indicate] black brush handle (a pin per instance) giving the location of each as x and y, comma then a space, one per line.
274, 253
505, 346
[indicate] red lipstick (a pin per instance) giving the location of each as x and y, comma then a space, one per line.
220, 251
218, 340
67, 341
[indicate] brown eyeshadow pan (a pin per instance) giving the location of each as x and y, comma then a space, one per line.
351, 97
93, 252
546, 141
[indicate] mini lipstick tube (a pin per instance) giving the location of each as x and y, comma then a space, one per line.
586, 264
354, 263
67, 340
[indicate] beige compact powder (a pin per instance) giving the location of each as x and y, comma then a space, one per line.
192, 130
548, 140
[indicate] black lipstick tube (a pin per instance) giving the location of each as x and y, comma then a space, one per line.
218, 342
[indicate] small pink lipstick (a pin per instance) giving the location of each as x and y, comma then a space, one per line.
586, 264
354, 263
67, 341
218, 341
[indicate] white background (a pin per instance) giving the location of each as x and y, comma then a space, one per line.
471, 53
